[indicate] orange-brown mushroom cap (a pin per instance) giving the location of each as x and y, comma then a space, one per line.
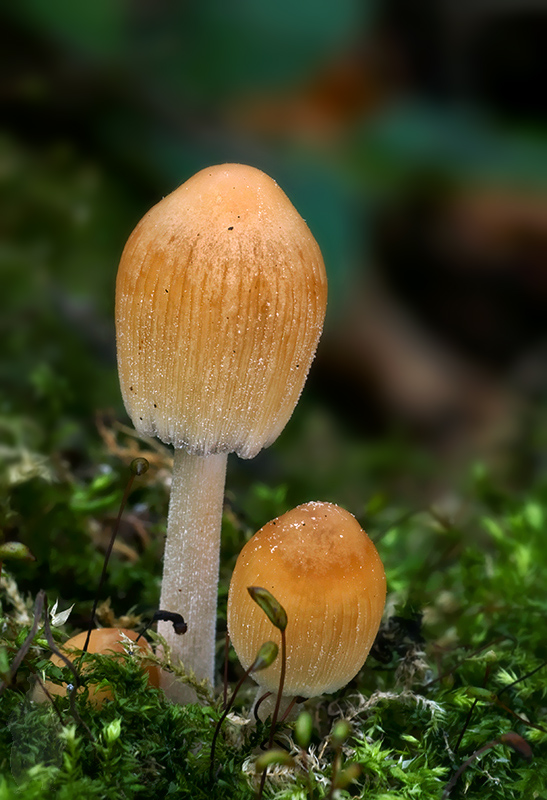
325, 571
220, 301
102, 640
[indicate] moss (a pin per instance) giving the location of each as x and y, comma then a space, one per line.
459, 662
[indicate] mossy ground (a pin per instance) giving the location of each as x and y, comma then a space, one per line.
460, 659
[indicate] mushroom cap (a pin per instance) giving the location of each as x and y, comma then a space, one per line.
322, 567
220, 300
102, 640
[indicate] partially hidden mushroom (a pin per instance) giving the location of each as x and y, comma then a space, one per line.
107, 641
321, 566
220, 300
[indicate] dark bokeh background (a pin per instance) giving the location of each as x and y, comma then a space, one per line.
412, 138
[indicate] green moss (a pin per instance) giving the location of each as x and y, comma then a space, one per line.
461, 662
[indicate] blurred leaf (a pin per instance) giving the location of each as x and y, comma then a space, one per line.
266, 656
15, 551
273, 757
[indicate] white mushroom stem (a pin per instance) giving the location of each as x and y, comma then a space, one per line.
191, 564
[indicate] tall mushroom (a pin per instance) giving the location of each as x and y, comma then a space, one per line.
220, 300
323, 569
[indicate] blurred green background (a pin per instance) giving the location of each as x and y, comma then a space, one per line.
414, 144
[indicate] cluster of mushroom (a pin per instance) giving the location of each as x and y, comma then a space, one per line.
220, 301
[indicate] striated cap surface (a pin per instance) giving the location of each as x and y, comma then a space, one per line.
326, 573
220, 300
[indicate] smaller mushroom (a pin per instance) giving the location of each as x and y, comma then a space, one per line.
321, 566
102, 640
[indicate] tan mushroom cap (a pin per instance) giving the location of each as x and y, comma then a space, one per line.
220, 300
102, 640
325, 571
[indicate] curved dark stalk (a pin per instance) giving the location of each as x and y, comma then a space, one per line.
453, 669
290, 707
138, 467
471, 710
513, 740
258, 704
225, 676
266, 656
223, 717
70, 665
25, 647
277, 705
523, 678
335, 770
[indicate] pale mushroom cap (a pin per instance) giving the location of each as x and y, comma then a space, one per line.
220, 300
325, 571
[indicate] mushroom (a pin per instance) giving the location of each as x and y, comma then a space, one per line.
220, 301
102, 640
321, 566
